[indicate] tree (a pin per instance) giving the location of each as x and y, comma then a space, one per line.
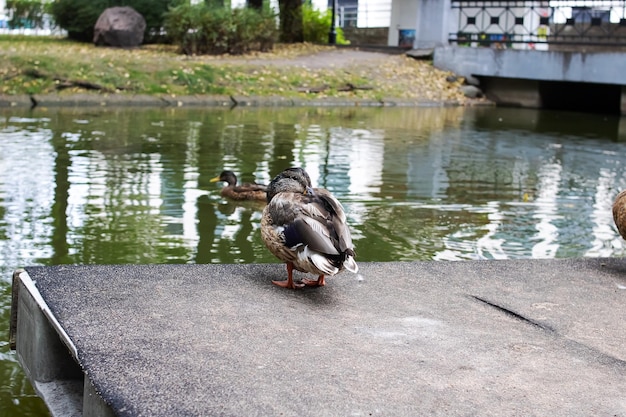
291, 28
78, 17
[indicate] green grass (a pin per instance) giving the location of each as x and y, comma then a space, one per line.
36, 65
39, 65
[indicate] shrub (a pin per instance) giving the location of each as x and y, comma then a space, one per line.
254, 30
205, 29
317, 25
152, 11
78, 17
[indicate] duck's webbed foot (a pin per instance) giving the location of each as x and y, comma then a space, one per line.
319, 282
289, 283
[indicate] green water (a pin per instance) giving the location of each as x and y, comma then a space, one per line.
108, 186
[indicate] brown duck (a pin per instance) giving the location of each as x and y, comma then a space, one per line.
306, 228
619, 213
246, 191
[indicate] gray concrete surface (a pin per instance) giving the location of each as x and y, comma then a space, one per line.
581, 67
96, 100
483, 338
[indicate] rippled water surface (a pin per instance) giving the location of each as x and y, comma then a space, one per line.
103, 186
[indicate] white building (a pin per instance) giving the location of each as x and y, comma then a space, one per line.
3, 15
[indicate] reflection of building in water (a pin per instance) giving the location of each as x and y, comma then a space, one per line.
348, 162
464, 187
512, 193
605, 240
547, 211
26, 196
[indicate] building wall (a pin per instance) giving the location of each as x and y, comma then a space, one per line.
403, 18
431, 21
366, 36
374, 13
596, 67
3, 12
516, 77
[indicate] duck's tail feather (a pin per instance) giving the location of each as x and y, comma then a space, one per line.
350, 264
323, 264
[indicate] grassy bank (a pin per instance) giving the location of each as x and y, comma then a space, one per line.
33, 65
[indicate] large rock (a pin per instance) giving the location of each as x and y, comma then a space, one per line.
471, 91
119, 26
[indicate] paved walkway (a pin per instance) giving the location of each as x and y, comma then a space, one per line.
334, 58
483, 338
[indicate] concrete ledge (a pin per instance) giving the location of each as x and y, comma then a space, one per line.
15, 101
535, 337
104, 100
585, 67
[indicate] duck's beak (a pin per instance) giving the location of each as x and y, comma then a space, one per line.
309, 191
216, 179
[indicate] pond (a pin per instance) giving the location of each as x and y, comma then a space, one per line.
132, 185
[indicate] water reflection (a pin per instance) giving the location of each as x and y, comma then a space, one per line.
546, 211
132, 185
121, 186
605, 240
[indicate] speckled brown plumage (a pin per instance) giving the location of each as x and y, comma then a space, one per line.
306, 228
241, 192
619, 213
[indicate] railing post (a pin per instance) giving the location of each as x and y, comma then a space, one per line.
332, 34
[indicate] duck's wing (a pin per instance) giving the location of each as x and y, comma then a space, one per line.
318, 221
249, 187
337, 224
340, 233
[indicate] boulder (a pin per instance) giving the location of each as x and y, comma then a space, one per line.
471, 91
119, 26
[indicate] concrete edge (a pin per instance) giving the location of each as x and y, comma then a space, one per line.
49, 358
560, 66
15, 286
97, 100
30, 286
63, 398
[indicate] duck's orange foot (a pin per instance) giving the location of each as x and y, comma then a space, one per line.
319, 282
288, 284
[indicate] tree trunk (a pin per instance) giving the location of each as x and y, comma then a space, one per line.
291, 29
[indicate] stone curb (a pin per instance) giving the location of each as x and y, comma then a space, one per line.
92, 100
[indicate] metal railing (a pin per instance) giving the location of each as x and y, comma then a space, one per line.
537, 24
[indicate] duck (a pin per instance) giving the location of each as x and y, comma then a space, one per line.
246, 191
619, 213
306, 228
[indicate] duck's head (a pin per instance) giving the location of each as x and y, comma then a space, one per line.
291, 180
228, 177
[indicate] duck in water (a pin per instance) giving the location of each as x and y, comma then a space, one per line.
246, 191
